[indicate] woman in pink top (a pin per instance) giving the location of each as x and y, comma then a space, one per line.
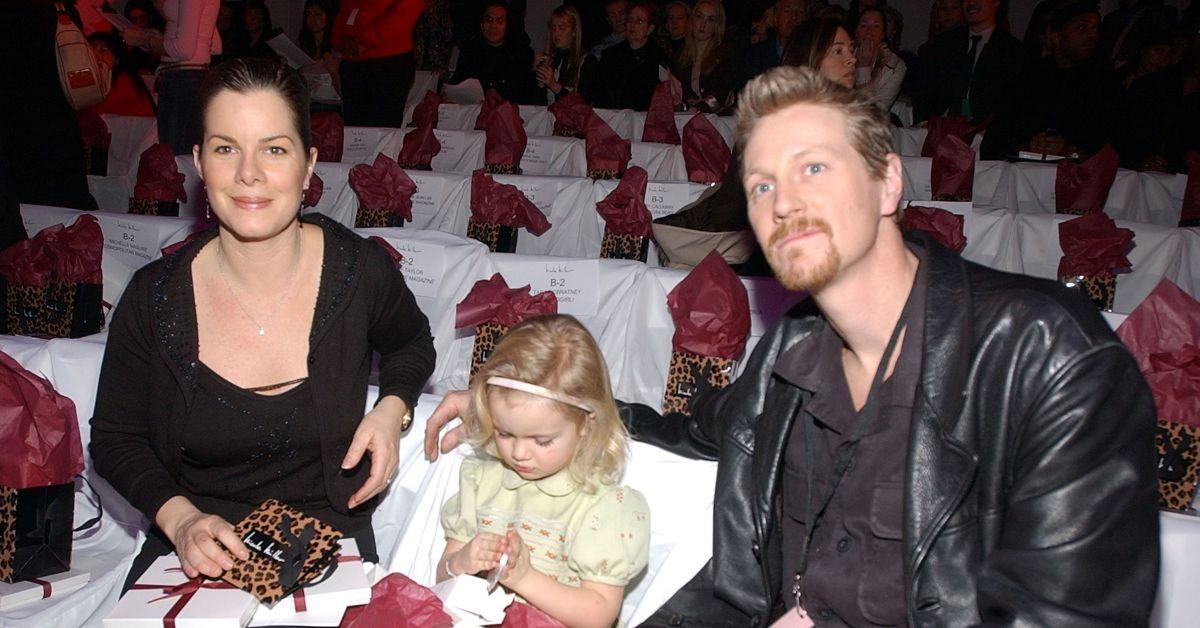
186, 45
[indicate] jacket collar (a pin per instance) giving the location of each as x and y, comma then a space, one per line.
174, 301
557, 485
940, 467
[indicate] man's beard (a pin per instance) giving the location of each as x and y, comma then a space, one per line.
814, 275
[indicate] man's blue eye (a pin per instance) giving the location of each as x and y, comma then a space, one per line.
814, 168
762, 188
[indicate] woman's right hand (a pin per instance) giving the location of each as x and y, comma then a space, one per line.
453, 405
866, 53
481, 554
202, 541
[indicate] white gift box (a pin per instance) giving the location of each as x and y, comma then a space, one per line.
199, 604
467, 601
323, 603
20, 593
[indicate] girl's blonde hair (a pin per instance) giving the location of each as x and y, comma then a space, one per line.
569, 75
557, 352
687, 56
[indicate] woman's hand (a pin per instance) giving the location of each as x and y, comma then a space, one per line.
481, 554
518, 561
202, 541
136, 36
453, 405
867, 53
379, 433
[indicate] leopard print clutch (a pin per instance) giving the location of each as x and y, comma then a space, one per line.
1178, 464
1101, 289
150, 207
691, 374
287, 549
487, 336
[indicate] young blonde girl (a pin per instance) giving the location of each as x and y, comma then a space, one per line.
543, 488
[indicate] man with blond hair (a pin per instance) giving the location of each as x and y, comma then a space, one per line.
923, 441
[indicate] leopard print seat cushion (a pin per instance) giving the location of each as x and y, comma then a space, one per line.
8, 532
691, 374
502, 168
367, 217
259, 575
150, 207
603, 174
623, 246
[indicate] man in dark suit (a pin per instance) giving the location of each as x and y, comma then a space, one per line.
967, 70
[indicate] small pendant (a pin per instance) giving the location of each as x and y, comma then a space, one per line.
261, 331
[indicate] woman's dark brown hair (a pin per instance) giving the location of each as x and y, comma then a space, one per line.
242, 76
810, 42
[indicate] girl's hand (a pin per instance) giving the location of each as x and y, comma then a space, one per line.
518, 561
379, 433
481, 554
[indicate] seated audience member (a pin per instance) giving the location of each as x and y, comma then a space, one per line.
856, 8
498, 61
1148, 117
614, 14
127, 92
229, 28
433, 36
824, 45
923, 441
969, 69
376, 69
564, 63
256, 20
706, 67
880, 71
143, 15
944, 15
1061, 105
768, 53
1125, 30
317, 30
629, 71
1037, 32
761, 23
677, 22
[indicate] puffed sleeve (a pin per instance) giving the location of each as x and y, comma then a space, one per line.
458, 514
613, 544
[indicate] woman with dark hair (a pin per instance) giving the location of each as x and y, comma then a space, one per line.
560, 67
141, 13
824, 45
127, 92
236, 368
316, 32
706, 65
499, 60
880, 70
629, 71
256, 23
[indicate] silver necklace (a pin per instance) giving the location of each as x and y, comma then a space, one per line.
262, 327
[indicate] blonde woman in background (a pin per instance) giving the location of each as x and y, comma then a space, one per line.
706, 65
560, 67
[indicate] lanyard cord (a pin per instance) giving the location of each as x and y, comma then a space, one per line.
846, 461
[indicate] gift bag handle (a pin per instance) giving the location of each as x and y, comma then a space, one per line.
99, 508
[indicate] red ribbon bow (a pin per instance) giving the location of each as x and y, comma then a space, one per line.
185, 591
492, 301
158, 176
1092, 244
502, 204
704, 151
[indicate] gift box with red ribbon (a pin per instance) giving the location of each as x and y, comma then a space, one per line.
325, 600
17, 594
52, 283
159, 187
938, 127
165, 596
328, 135
571, 115
1083, 188
498, 210
712, 320
705, 153
1163, 334
384, 193
627, 221
1093, 249
952, 172
492, 307
608, 154
505, 141
40, 454
945, 227
660, 117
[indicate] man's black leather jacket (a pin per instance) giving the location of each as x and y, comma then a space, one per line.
1030, 489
